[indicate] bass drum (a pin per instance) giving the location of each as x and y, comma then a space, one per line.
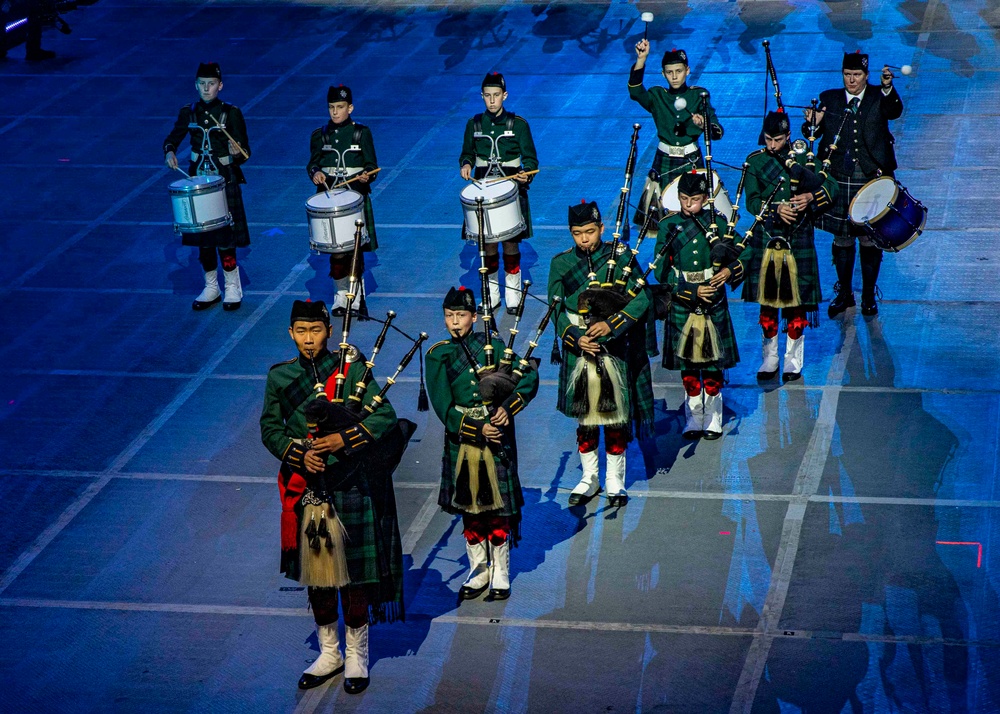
890, 215
671, 202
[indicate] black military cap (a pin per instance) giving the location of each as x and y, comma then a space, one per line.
494, 79
209, 69
693, 183
309, 311
583, 213
855, 60
674, 57
340, 93
459, 299
776, 123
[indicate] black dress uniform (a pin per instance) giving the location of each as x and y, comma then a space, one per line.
864, 152
210, 156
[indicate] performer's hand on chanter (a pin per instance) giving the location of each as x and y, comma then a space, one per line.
801, 201
314, 463
500, 417
720, 278
599, 329
491, 433
328, 444
787, 213
319, 178
706, 292
171, 159
588, 345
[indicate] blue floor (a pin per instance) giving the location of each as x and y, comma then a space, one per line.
832, 553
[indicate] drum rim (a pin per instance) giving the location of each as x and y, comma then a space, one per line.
506, 235
314, 246
881, 214
505, 197
216, 184
335, 210
916, 234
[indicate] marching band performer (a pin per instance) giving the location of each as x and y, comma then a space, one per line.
783, 272
331, 503
862, 112
339, 150
219, 147
605, 378
698, 337
498, 143
479, 471
679, 117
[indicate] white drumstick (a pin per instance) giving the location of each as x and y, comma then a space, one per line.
646, 17
186, 174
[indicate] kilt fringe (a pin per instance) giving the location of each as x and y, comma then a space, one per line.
699, 340
323, 559
779, 278
609, 388
477, 489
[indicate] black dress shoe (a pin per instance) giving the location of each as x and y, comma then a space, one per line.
467, 593
791, 376
230, 306
511, 310
198, 306
693, 435
766, 376
497, 594
578, 499
840, 302
618, 500
356, 685
308, 681
869, 308
712, 435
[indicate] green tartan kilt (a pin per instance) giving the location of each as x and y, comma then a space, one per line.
674, 325
511, 497
361, 545
804, 250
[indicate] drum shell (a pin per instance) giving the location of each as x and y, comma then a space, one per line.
199, 204
895, 226
332, 227
671, 202
502, 217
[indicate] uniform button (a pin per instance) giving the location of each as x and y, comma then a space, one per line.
470, 370
696, 262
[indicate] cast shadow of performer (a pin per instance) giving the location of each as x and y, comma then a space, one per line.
846, 21
582, 24
762, 20
468, 30
877, 566
667, 19
945, 40
373, 27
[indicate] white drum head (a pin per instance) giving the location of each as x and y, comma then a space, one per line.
195, 182
341, 198
491, 193
872, 200
671, 201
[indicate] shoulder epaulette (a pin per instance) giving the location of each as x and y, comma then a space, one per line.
287, 361
565, 252
669, 214
437, 344
758, 152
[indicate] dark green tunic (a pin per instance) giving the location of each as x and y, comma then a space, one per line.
690, 253
568, 279
515, 151
358, 478
348, 146
763, 171
452, 387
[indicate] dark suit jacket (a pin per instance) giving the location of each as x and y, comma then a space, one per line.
874, 139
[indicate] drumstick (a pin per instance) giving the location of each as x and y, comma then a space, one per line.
327, 187
905, 69
498, 179
370, 173
230, 137
186, 174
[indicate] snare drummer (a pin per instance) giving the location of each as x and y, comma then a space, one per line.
784, 245
864, 152
679, 117
342, 150
498, 143
206, 122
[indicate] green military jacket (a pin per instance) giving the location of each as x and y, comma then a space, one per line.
514, 145
351, 141
453, 388
290, 385
673, 126
763, 171
691, 252
199, 118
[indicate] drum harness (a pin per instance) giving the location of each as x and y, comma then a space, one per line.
340, 171
494, 163
205, 161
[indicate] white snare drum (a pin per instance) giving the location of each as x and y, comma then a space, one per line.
199, 204
672, 202
331, 219
502, 219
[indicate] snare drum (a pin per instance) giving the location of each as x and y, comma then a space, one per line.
331, 216
199, 204
502, 219
890, 215
672, 202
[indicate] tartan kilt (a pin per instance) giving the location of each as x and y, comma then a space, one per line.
634, 364
511, 497
674, 325
665, 169
835, 220
235, 236
802, 241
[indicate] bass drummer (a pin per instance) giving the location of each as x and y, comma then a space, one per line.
864, 152
679, 117
343, 150
498, 143
219, 147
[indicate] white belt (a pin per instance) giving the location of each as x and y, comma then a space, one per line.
576, 319
479, 412
224, 160
678, 151
696, 276
512, 164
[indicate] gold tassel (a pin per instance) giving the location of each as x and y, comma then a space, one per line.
699, 341
472, 456
321, 550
